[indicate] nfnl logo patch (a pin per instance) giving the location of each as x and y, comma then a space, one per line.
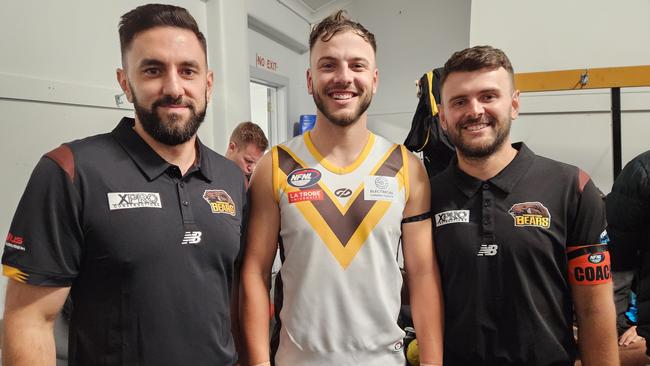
124, 200
303, 178
306, 195
451, 217
530, 214
220, 201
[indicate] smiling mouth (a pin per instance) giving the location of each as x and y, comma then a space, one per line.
341, 95
476, 126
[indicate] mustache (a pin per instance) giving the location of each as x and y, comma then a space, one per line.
483, 119
168, 100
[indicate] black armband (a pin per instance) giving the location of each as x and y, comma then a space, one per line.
420, 217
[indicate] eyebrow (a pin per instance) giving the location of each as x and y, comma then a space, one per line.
483, 91
150, 62
354, 59
154, 62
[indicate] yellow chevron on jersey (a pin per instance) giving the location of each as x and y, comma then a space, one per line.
343, 228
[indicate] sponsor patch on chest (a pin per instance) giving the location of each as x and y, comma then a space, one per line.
451, 217
305, 195
530, 214
126, 200
303, 178
220, 201
380, 188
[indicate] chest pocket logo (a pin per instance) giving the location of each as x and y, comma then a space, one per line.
530, 214
220, 201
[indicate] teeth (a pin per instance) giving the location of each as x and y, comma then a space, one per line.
341, 96
476, 127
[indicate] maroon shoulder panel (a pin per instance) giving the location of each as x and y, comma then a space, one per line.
583, 178
62, 155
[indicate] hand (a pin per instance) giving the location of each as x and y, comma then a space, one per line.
630, 336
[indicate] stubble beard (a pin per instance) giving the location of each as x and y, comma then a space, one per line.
364, 102
482, 151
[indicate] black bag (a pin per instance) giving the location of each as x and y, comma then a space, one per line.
426, 135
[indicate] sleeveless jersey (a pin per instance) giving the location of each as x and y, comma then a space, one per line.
340, 282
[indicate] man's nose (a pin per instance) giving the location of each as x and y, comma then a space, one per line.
172, 85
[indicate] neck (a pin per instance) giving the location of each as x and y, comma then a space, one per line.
340, 145
182, 155
486, 168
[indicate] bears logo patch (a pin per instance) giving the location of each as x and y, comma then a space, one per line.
530, 214
220, 201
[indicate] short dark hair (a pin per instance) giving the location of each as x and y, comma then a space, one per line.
149, 16
477, 58
335, 23
249, 133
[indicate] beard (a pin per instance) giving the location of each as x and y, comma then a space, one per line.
172, 131
348, 119
483, 150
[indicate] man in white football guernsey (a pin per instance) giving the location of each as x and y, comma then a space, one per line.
338, 199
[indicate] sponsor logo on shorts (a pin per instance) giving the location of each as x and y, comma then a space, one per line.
397, 346
303, 178
487, 250
15, 242
451, 217
305, 195
125, 200
220, 201
530, 214
191, 237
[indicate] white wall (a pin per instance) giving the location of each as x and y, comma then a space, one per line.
574, 127
292, 67
292, 64
413, 37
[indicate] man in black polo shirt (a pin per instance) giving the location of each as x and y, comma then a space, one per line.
141, 225
520, 238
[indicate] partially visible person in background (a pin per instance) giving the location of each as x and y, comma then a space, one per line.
628, 218
247, 145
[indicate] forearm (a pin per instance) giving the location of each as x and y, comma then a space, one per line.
255, 306
26, 344
427, 312
597, 337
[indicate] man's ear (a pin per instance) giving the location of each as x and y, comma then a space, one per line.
232, 146
514, 111
441, 114
210, 84
123, 80
375, 79
309, 82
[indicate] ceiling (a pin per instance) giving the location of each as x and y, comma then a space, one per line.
312, 11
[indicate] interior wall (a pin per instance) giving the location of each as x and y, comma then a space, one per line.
573, 126
291, 66
413, 37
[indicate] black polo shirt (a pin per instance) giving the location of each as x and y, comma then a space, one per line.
501, 245
150, 254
